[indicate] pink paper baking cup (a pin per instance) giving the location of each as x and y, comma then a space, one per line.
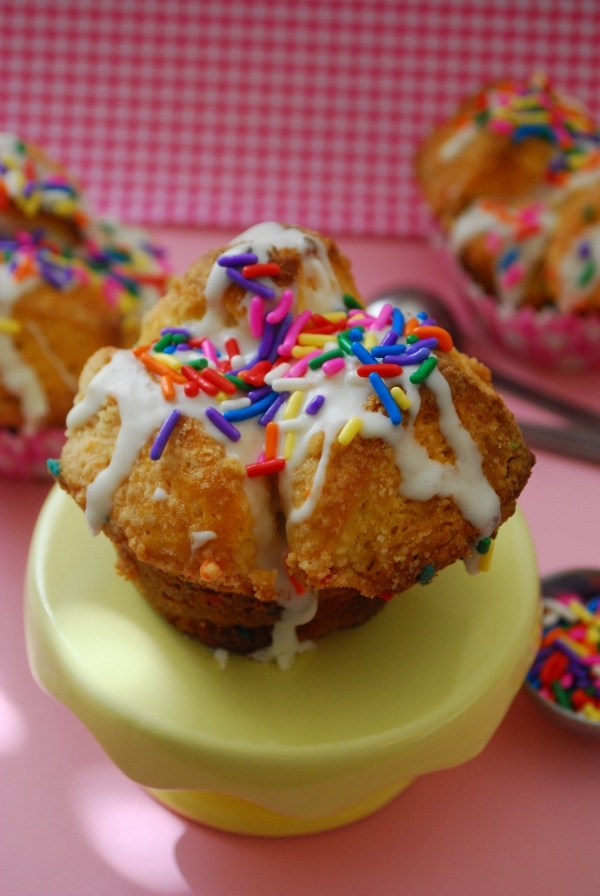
549, 338
24, 456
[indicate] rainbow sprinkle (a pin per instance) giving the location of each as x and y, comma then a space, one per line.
289, 346
522, 111
26, 182
350, 430
164, 435
119, 272
566, 670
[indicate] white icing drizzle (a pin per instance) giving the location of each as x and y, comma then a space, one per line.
571, 289
199, 539
284, 641
143, 409
46, 349
18, 377
578, 180
15, 374
159, 495
142, 412
422, 477
46, 194
222, 657
22, 381
11, 289
471, 562
478, 219
464, 480
321, 290
475, 221
457, 141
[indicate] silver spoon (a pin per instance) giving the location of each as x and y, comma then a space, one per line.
582, 442
586, 584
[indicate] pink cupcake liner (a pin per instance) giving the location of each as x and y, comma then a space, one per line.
24, 456
548, 338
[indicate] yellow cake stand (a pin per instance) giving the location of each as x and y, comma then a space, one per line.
251, 749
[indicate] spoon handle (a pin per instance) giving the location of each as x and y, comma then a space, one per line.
581, 444
575, 413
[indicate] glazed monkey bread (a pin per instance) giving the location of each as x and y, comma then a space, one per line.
513, 178
273, 463
68, 286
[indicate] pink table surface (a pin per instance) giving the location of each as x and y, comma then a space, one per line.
521, 818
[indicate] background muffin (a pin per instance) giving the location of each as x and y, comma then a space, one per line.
68, 285
513, 180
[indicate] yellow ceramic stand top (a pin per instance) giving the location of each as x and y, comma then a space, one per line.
420, 687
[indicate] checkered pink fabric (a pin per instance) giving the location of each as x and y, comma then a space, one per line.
219, 113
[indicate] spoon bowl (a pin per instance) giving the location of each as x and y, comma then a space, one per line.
586, 584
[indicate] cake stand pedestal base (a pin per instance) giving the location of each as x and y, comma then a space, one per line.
237, 816
251, 749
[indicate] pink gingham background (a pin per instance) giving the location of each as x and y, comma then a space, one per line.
225, 113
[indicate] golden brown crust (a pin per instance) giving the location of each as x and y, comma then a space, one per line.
491, 174
490, 166
185, 300
480, 263
60, 330
364, 534
62, 229
204, 491
578, 215
237, 622
364, 539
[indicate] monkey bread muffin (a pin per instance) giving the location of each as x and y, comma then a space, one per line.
513, 179
273, 463
68, 285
